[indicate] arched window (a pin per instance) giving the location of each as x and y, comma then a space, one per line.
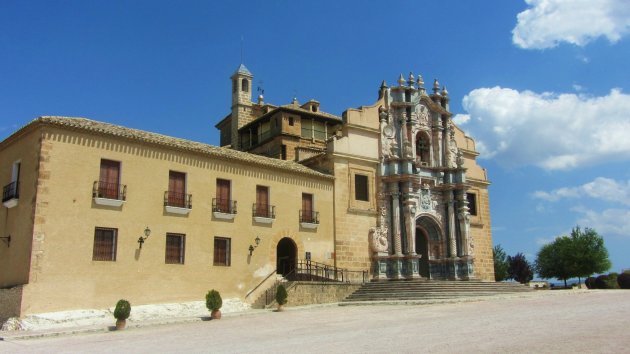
234, 85
245, 85
423, 149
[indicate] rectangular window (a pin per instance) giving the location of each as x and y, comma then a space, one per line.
104, 244
223, 196
361, 188
175, 248
109, 179
221, 251
177, 189
262, 201
15, 174
283, 152
291, 121
308, 214
307, 128
472, 203
11, 190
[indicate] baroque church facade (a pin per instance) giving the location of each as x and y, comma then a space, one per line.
391, 189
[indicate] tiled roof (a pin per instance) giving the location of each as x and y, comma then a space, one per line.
242, 70
174, 143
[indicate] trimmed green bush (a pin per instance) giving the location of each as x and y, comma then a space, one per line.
281, 295
624, 280
213, 300
612, 280
122, 310
601, 282
590, 283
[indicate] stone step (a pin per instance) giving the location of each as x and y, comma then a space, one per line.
432, 289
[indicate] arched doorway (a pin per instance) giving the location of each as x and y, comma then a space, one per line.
422, 248
428, 240
286, 255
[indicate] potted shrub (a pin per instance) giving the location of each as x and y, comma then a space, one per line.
281, 296
214, 303
121, 312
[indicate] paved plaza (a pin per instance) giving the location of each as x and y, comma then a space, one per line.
545, 322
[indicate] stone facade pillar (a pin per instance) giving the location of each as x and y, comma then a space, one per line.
396, 219
463, 218
451, 225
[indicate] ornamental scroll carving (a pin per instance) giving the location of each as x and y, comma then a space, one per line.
378, 235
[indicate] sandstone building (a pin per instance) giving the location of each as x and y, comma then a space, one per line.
94, 212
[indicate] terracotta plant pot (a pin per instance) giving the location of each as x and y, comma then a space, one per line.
120, 324
280, 308
215, 314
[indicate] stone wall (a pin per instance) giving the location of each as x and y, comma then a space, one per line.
482, 238
10, 302
308, 293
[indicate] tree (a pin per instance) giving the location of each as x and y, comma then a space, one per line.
579, 255
554, 260
519, 268
589, 255
500, 263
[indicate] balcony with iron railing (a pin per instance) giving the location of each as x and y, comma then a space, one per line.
177, 202
11, 194
109, 194
223, 208
264, 213
309, 219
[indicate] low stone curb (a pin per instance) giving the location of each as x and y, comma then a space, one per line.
57, 332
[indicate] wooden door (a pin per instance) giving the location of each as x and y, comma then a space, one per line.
223, 195
109, 180
307, 207
177, 189
262, 201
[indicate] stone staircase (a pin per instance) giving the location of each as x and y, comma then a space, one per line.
430, 290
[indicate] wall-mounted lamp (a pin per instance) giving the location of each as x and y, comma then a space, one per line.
252, 248
147, 233
7, 239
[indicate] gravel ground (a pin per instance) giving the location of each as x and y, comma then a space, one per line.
547, 322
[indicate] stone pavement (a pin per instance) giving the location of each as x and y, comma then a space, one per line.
548, 321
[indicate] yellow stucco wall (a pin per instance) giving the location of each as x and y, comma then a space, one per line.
17, 221
64, 275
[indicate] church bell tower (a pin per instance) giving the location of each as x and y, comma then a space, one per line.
241, 102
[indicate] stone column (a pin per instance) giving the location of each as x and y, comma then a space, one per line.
396, 219
462, 215
451, 225
410, 221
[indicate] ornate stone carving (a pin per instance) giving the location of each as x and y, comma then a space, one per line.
423, 116
378, 239
460, 159
379, 234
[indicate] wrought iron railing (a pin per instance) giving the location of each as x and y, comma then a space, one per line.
264, 211
314, 271
101, 189
178, 200
225, 206
11, 191
309, 216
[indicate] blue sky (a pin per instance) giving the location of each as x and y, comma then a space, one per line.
541, 84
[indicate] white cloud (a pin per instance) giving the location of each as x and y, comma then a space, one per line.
546, 23
461, 119
601, 188
541, 241
548, 130
608, 221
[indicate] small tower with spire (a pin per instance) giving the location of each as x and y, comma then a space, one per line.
241, 101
